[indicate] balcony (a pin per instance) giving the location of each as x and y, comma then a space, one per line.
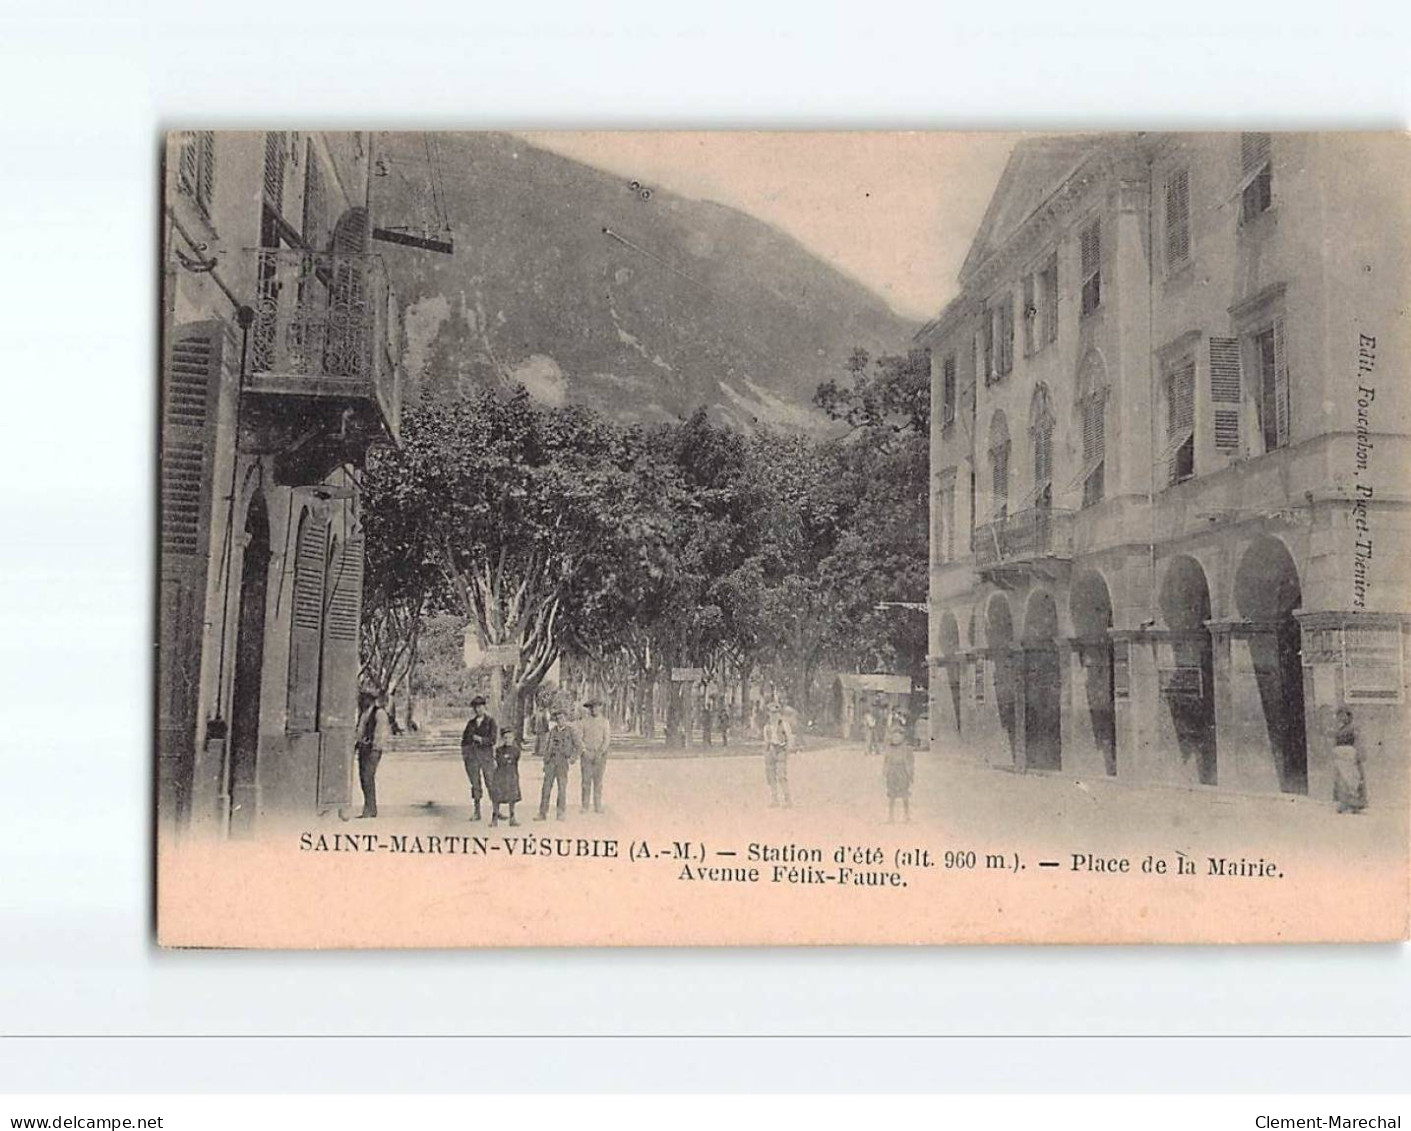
1037, 540
320, 368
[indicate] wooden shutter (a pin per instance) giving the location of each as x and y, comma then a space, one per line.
338, 698
191, 386
1226, 392
1180, 414
1030, 314
306, 622
1050, 299
1000, 458
1090, 257
275, 154
1281, 383
1178, 217
1254, 153
206, 169
187, 168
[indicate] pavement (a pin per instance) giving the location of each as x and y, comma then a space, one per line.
838, 790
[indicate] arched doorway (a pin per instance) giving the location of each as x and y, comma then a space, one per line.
1267, 592
1043, 738
1090, 605
241, 792
950, 649
1187, 675
999, 639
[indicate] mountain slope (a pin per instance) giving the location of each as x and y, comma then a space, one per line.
564, 278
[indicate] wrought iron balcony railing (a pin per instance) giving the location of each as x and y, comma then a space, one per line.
321, 329
1038, 532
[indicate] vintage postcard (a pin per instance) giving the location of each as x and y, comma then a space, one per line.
765, 538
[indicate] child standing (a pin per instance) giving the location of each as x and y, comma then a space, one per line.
504, 778
899, 770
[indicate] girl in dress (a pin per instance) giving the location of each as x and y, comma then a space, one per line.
899, 769
504, 779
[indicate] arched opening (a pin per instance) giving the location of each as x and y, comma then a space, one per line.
999, 638
950, 649
1267, 591
1043, 742
1187, 678
240, 790
1090, 605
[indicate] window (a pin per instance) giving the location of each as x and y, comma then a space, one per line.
1257, 173
987, 350
999, 341
196, 168
1090, 261
1178, 219
999, 464
1272, 394
276, 153
1180, 420
315, 223
972, 507
1041, 433
948, 391
945, 535
1031, 316
1094, 412
1226, 392
1048, 300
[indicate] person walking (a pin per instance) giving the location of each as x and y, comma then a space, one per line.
871, 730
374, 736
1349, 781
561, 747
504, 780
597, 737
478, 751
778, 739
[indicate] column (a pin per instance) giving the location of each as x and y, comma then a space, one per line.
1247, 756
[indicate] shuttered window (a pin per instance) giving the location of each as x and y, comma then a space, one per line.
1273, 386
1094, 446
1041, 433
987, 351
948, 517
191, 382
1048, 301
1257, 173
315, 227
948, 389
306, 628
1178, 218
999, 466
1004, 334
1090, 266
1031, 315
276, 154
196, 167
1226, 393
1180, 421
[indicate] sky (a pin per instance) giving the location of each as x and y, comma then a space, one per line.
896, 211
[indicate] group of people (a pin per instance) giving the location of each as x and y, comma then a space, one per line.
491, 758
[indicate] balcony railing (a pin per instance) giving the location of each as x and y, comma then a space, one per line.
1038, 532
321, 329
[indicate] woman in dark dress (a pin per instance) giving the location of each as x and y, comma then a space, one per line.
504, 779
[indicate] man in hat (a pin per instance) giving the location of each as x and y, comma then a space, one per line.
374, 736
478, 752
561, 747
596, 736
778, 738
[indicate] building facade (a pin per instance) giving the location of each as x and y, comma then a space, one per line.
279, 373
1169, 463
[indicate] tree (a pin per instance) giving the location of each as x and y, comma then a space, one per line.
527, 513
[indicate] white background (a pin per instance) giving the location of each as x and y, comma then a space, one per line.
86, 90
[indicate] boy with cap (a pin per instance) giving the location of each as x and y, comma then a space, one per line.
561, 747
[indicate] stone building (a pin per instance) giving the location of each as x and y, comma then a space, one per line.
278, 375
1170, 456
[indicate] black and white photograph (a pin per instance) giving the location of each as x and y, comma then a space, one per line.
735, 538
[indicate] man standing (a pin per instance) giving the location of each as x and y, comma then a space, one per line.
374, 735
561, 748
597, 736
478, 751
778, 737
